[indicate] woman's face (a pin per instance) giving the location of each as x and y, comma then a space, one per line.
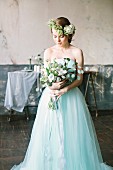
60, 40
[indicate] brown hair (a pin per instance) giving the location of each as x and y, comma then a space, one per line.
62, 21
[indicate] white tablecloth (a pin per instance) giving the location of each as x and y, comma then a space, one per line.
18, 88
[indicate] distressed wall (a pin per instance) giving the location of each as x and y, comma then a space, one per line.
24, 31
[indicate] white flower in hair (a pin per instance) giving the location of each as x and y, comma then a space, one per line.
69, 29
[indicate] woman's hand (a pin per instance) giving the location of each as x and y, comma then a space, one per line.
58, 85
58, 93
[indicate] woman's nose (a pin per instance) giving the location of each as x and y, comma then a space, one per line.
58, 39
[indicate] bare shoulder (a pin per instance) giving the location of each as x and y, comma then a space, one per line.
77, 51
48, 53
78, 54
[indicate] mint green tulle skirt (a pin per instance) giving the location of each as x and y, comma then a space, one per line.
63, 139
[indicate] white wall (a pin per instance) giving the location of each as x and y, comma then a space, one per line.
24, 31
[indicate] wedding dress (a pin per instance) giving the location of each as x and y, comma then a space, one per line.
63, 139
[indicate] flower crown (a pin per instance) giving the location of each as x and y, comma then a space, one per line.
67, 30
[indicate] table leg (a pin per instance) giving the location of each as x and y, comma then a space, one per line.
90, 77
11, 112
87, 83
27, 112
94, 94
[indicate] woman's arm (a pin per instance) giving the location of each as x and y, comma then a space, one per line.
47, 55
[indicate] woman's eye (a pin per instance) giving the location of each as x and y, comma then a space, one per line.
62, 36
54, 36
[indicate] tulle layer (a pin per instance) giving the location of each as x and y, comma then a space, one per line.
63, 139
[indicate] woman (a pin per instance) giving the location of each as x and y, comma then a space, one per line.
63, 138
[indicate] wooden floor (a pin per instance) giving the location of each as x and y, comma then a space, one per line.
15, 135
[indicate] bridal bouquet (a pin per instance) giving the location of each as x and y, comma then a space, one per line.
56, 71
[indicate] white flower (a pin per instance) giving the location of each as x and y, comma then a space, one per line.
62, 72
53, 69
73, 75
69, 29
43, 72
63, 77
66, 61
60, 61
68, 75
36, 58
58, 79
51, 77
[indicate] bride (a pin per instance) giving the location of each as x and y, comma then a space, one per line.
63, 138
